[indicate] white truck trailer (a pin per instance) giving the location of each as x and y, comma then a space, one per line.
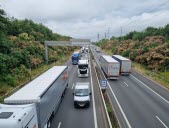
98, 49
83, 68
36, 103
125, 64
110, 67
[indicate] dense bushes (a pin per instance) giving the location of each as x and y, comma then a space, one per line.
153, 51
150, 31
22, 48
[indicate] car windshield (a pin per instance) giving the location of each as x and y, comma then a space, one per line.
82, 66
81, 92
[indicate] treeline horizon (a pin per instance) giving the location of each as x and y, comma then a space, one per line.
149, 31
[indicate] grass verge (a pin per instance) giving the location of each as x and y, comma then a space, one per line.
160, 77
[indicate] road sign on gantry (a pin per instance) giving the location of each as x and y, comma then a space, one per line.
103, 84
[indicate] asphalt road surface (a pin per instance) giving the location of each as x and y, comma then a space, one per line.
69, 117
138, 102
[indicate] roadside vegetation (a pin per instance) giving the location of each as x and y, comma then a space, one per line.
22, 51
149, 50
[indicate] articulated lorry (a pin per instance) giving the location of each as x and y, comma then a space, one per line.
110, 67
34, 105
125, 64
83, 68
75, 57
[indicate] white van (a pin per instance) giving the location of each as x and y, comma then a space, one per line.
82, 95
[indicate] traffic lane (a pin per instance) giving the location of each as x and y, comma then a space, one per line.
155, 86
67, 115
154, 119
139, 104
116, 108
114, 102
100, 112
59, 116
155, 106
133, 104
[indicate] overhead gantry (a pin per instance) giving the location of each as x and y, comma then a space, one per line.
72, 42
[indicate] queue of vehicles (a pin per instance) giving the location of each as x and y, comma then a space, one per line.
36, 103
114, 66
82, 91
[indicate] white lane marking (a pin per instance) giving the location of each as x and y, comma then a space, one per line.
126, 84
151, 89
59, 125
110, 125
94, 107
161, 122
73, 85
124, 116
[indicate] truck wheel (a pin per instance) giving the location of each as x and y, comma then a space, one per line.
75, 106
48, 124
88, 105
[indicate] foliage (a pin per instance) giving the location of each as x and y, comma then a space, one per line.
22, 48
152, 51
150, 31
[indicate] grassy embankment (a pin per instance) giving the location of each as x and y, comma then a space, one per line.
160, 77
8, 90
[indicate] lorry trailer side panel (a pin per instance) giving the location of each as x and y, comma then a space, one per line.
125, 64
110, 67
51, 99
45, 91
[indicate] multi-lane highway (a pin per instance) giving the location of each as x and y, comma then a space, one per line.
138, 102
69, 117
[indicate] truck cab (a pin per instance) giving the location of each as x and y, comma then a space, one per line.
83, 68
18, 116
86, 49
82, 95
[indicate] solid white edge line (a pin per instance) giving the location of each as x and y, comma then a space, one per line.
94, 107
151, 89
161, 122
73, 85
59, 125
105, 108
124, 116
126, 84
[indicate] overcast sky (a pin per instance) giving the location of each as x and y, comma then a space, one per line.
87, 18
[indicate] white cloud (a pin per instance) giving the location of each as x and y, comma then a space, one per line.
86, 18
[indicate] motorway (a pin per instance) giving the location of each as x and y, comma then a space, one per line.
138, 102
69, 117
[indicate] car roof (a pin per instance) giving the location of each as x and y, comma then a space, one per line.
82, 85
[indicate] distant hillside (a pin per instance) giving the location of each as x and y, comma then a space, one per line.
149, 48
22, 48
